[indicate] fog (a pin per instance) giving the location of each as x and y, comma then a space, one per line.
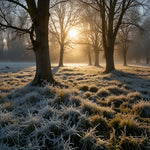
138, 52
15, 51
138, 49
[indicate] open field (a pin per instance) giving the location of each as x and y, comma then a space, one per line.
95, 111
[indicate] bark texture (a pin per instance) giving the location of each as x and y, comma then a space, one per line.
40, 18
61, 57
89, 58
109, 55
125, 57
147, 60
96, 58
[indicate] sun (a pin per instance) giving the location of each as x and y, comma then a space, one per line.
73, 33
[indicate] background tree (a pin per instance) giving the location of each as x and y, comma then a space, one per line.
112, 13
88, 48
87, 52
63, 18
124, 41
91, 32
1, 46
129, 27
145, 40
146, 49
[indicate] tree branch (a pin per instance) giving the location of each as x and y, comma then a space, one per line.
58, 3
17, 3
15, 28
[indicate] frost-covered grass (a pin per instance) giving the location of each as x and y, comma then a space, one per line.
96, 112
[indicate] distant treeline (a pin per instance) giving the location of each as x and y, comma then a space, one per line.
16, 52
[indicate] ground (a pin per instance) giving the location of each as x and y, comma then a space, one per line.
93, 111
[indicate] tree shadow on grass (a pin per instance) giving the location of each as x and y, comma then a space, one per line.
142, 73
133, 82
55, 70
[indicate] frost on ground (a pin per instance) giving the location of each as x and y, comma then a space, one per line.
96, 112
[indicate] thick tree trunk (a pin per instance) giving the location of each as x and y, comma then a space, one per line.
43, 66
124, 57
96, 58
109, 55
89, 57
43, 69
61, 57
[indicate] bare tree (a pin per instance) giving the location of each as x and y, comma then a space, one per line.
124, 40
87, 50
127, 30
112, 13
92, 32
147, 49
37, 28
63, 18
146, 38
89, 55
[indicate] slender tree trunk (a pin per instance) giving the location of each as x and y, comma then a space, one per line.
124, 57
147, 57
96, 58
89, 57
109, 55
61, 57
137, 60
147, 60
43, 66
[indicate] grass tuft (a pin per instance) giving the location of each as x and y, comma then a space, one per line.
93, 89
131, 143
103, 93
100, 124
142, 109
125, 121
84, 88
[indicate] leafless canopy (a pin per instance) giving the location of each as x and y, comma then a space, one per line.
14, 15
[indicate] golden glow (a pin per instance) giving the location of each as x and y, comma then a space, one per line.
73, 33
5, 48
